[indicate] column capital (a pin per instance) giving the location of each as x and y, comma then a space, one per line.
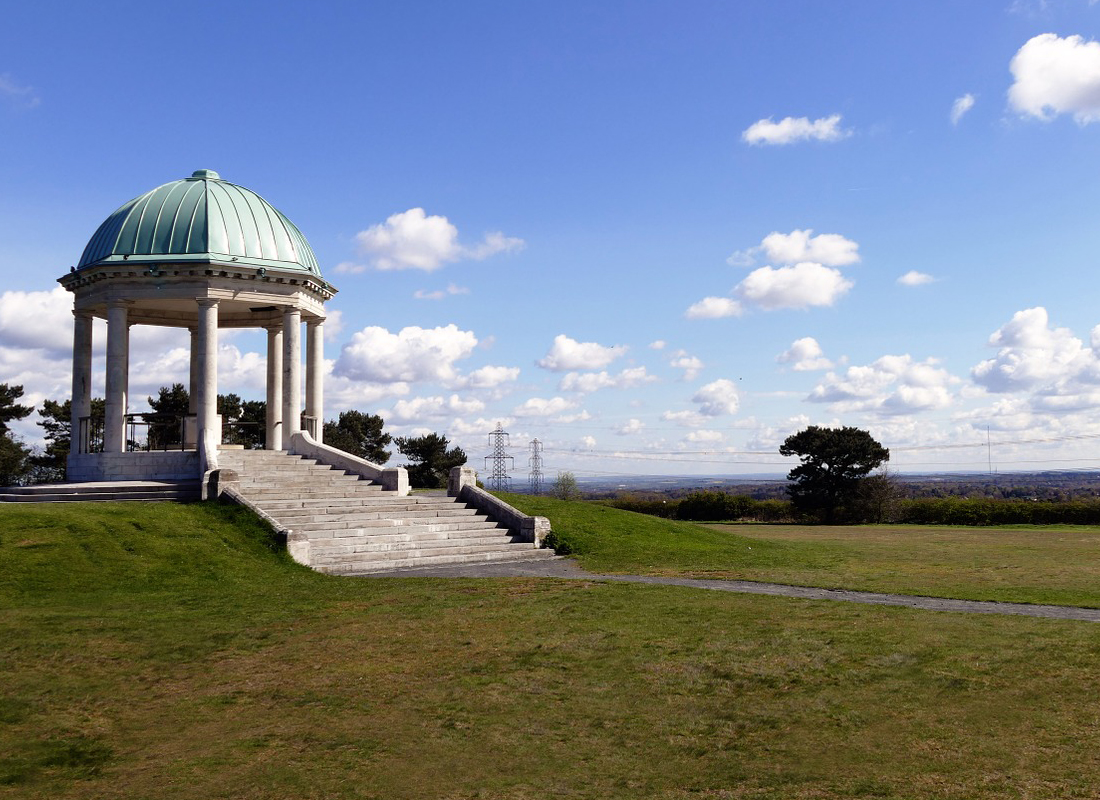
206, 302
82, 313
118, 303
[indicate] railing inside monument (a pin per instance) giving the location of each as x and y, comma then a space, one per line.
151, 431
309, 425
249, 435
90, 435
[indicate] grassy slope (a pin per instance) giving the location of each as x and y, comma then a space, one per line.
168, 651
1058, 565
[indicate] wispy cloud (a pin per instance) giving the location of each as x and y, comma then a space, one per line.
16, 94
960, 107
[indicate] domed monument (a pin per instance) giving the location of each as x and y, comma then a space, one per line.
203, 254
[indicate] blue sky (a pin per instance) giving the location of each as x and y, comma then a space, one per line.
658, 236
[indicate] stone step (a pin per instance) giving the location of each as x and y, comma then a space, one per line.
382, 505
292, 472
319, 521
445, 547
325, 505
320, 551
278, 492
298, 482
388, 525
368, 567
342, 538
101, 491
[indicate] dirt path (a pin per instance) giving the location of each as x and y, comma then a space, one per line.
566, 568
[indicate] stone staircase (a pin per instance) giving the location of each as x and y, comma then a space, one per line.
354, 527
179, 491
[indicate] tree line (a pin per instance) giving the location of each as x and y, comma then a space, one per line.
429, 457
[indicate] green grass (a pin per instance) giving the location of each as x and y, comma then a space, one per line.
1058, 565
163, 651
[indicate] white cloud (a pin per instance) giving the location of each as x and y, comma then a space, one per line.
568, 354
1057, 76
801, 286
914, 278
588, 441
542, 407
414, 240
420, 408
413, 354
38, 320
334, 324
488, 377
1031, 354
890, 385
689, 419
660, 344
439, 294
704, 436
480, 427
960, 107
805, 354
795, 129
342, 393
714, 308
630, 427
690, 364
18, 94
830, 249
587, 382
718, 398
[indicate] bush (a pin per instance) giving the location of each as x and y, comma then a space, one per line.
713, 506
983, 511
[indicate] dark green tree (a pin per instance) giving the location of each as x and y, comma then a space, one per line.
9, 409
359, 434
14, 455
56, 424
430, 459
169, 407
244, 422
253, 424
834, 463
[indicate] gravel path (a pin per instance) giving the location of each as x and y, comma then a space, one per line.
566, 568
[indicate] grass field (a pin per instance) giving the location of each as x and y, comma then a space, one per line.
166, 651
1059, 565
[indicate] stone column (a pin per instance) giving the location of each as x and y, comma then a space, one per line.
292, 368
315, 371
82, 376
274, 388
190, 425
114, 422
209, 423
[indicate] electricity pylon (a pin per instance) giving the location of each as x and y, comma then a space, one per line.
535, 463
499, 479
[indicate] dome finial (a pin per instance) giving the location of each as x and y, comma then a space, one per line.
206, 173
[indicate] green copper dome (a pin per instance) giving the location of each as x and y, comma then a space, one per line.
201, 219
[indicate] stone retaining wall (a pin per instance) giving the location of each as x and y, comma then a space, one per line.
462, 483
171, 465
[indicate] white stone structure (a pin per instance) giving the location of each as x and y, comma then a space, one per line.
202, 254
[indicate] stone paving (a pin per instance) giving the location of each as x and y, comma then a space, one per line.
566, 568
